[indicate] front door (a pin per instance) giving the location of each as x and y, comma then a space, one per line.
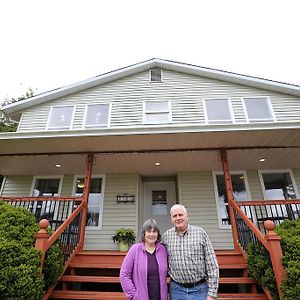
158, 199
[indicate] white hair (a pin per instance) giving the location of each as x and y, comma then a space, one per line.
178, 206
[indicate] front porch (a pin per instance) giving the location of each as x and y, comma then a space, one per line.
246, 219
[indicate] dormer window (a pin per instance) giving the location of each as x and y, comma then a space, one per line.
97, 115
218, 111
155, 75
60, 117
258, 109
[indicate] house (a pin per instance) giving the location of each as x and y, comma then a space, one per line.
154, 134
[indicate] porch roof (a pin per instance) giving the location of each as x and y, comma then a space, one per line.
25, 153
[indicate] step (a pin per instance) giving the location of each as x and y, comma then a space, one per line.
236, 280
113, 279
243, 296
84, 295
98, 279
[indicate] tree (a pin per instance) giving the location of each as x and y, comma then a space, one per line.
8, 124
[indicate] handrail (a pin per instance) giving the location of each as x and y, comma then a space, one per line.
267, 202
260, 236
64, 226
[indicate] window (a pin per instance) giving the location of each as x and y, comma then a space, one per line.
279, 186
159, 203
258, 109
218, 111
240, 193
95, 202
157, 112
97, 115
47, 187
155, 75
60, 117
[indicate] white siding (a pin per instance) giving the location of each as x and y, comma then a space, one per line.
114, 215
17, 186
185, 92
254, 185
196, 192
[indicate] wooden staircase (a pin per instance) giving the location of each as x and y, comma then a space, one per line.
95, 275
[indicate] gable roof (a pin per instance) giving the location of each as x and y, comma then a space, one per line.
153, 63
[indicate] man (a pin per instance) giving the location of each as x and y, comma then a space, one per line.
193, 266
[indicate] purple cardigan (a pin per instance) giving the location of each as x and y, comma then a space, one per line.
133, 273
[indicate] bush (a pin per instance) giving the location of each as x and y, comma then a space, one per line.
260, 266
53, 266
20, 273
290, 235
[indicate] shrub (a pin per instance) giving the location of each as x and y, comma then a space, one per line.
260, 266
290, 242
20, 273
53, 265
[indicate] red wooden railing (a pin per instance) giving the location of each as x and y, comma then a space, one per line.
273, 211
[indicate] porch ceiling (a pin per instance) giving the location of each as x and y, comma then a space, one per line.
172, 162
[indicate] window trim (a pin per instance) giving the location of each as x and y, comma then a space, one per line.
215, 184
218, 122
35, 178
259, 120
280, 171
103, 177
161, 76
48, 127
169, 112
84, 126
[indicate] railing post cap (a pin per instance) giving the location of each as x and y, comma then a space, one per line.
269, 225
43, 224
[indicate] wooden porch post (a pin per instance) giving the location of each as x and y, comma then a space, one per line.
230, 198
86, 191
275, 254
42, 239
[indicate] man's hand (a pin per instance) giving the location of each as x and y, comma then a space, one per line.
210, 298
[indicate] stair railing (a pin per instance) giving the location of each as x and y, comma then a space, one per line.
248, 232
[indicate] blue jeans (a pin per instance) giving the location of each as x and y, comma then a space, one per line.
178, 292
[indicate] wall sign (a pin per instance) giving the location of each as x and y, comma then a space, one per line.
125, 198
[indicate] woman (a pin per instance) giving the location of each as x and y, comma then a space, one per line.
143, 273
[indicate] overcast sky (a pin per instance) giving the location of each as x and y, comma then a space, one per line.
49, 44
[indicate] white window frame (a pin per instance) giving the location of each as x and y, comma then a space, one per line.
49, 127
258, 120
248, 195
101, 198
161, 75
262, 184
168, 111
221, 121
289, 171
35, 178
84, 125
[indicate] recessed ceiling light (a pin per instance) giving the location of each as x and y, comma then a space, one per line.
262, 159
58, 165
157, 163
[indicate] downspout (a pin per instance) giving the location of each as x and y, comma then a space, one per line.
230, 198
85, 196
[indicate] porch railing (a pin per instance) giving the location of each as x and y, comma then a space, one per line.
260, 211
